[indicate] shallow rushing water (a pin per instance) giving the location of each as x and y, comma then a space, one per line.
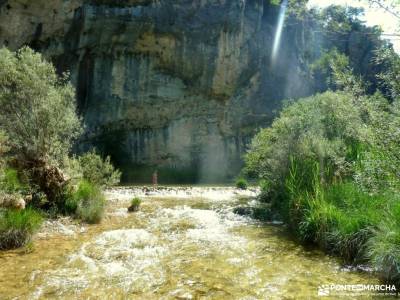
183, 244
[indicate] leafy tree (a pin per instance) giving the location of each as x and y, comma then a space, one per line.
339, 31
390, 77
325, 128
333, 66
377, 170
38, 115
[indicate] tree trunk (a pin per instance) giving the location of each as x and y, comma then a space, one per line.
50, 180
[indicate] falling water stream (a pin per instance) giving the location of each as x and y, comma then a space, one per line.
184, 243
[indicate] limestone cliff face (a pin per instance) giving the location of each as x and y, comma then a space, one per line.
176, 85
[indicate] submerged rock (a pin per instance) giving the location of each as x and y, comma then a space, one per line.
260, 212
133, 208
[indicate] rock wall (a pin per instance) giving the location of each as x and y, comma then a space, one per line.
178, 86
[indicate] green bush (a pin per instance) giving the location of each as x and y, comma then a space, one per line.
71, 201
241, 183
135, 204
378, 167
89, 202
342, 218
325, 128
72, 169
330, 167
17, 227
331, 164
98, 171
384, 245
9, 181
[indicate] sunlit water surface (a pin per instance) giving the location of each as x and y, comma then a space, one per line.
190, 247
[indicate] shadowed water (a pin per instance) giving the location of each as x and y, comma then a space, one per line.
181, 245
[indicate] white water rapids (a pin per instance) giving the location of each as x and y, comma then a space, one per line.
184, 243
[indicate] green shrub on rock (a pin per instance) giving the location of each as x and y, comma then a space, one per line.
135, 204
241, 183
17, 227
89, 201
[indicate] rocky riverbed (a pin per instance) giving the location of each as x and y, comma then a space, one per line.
184, 243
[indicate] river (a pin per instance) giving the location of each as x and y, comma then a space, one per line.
184, 243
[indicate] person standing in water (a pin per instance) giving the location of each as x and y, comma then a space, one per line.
155, 178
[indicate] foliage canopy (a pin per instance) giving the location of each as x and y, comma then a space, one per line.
38, 108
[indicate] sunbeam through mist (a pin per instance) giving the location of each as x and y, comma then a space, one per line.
278, 32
